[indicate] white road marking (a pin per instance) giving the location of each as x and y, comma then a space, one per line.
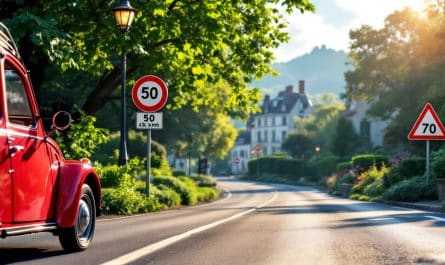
137, 254
383, 219
435, 218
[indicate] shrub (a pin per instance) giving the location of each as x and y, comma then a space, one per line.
279, 166
127, 201
411, 190
204, 180
366, 161
206, 194
178, 173
166, 196
368, 177
410, 167
186, 189
438, 164
326, 165
114, 176
82, 138
344, 166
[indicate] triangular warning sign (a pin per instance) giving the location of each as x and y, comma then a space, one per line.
428, 126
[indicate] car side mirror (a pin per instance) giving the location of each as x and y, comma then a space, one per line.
61, 120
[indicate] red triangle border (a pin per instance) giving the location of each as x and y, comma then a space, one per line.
428, 107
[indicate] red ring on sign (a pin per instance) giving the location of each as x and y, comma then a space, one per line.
149, 108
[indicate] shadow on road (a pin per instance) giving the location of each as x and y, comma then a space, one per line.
11, 255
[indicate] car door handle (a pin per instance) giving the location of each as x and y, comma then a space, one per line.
15, 148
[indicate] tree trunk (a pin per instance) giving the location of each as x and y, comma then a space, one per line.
104, 89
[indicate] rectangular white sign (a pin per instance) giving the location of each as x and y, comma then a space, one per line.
149, 120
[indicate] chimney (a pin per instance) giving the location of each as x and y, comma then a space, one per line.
301, 87
289, 90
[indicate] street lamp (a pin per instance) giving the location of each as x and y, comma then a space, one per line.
317, 152
124, 16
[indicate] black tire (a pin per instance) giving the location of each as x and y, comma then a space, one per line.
79, 237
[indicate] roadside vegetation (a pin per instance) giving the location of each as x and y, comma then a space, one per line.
123, 187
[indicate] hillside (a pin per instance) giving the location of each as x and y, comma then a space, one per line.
322, 69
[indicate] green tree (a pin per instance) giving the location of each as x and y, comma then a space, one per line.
198, 47
399, 68
344, 141
299, 144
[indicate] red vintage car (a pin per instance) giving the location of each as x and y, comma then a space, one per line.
40, 191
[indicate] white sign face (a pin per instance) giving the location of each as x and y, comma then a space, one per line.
149, 121
149, 94
428, 126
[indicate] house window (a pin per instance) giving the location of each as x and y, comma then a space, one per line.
274, 137
266, 136
283, 120
259, 122
273, 121
259, 136
283, 135
241, 153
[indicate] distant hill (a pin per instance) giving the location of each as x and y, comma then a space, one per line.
322, 69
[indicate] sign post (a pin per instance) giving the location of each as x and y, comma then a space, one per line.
427, 127
149, 94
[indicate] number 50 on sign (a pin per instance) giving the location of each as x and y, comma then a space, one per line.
148, 121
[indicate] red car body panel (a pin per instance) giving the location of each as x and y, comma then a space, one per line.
37, 185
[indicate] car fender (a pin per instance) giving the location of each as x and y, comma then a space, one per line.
72, 175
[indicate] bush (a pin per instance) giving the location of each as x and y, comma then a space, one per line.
344, 166
206, 194
186, 189
127, 201
410, 167
438, 164
279, 166
411, 190
114, 176
326, 165
179, 173
368, 177
366, 161
204, 180
166, 196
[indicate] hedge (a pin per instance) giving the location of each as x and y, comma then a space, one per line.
410, 167
279, 166
366, 161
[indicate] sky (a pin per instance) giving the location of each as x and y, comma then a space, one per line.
331, 22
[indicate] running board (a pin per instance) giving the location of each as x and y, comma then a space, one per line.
28, 229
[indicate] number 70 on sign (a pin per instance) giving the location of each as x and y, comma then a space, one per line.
149, 121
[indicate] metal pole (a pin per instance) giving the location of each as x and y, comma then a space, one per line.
123, 155
258, 165
428, 180
147, 178
189, 163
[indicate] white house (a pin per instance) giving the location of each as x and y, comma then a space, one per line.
366, 126
241, 153
269, 128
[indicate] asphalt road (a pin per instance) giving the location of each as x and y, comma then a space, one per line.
255, 224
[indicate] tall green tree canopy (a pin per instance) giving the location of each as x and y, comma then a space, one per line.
207, 51
399, 68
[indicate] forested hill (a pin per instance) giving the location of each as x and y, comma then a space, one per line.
322, 69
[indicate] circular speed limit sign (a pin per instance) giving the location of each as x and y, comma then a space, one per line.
149, 93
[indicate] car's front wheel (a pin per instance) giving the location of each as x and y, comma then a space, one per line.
79, 237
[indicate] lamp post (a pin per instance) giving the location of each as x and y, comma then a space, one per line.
124, 16
317, 152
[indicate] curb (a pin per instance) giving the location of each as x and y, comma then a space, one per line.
417, 206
